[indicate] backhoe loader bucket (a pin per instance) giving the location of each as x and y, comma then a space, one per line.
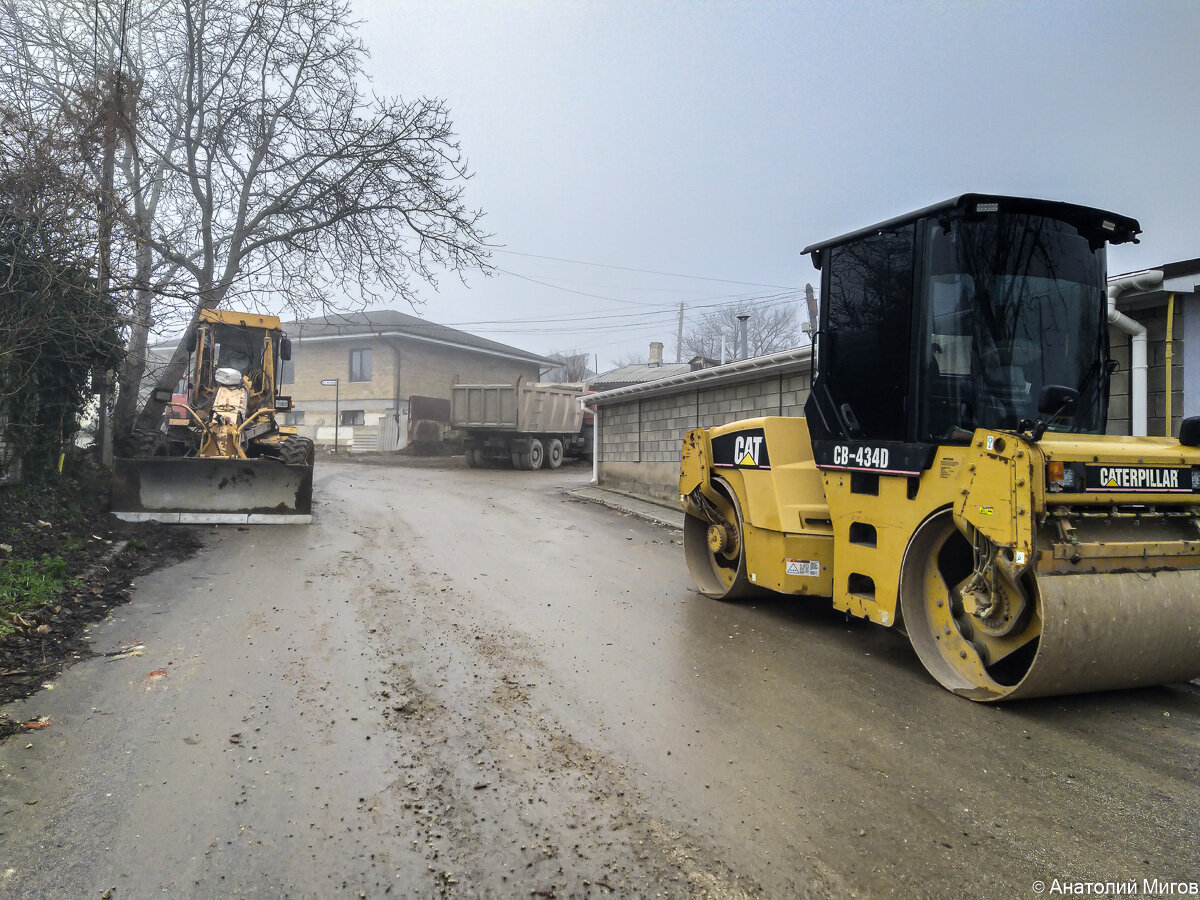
199, 491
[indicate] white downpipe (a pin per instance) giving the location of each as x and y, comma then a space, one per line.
1138, 390
595, 445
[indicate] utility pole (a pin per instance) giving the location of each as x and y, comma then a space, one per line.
742, 335
810, 299
679, 338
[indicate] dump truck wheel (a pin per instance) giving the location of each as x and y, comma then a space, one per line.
554, 453
472, 457
535, 456
715, 553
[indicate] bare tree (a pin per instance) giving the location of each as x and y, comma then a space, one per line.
572, 366
771, 328
252, 163
635, 358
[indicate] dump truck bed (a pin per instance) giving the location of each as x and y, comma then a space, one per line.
528, 408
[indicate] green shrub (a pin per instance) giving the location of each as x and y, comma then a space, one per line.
26, 584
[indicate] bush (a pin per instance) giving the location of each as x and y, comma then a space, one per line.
26, 584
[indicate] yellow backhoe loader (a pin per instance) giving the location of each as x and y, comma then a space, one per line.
952, 475
222, 456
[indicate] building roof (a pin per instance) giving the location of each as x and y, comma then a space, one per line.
394, 324
691, 379
637, 373
1152, 287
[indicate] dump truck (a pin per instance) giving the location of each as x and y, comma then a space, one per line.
952, 475
527, 425
222, 456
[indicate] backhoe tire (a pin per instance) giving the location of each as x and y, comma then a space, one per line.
142, 444
295, 451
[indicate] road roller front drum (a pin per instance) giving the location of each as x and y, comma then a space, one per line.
1075, 633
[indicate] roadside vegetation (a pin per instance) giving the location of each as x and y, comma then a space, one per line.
51, 532
65, 562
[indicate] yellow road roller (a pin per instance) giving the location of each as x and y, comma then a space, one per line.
952, 476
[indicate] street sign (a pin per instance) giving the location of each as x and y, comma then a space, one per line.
333, 383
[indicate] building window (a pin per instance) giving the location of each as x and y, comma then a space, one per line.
287, 372
353, 416
360, 365
295, 417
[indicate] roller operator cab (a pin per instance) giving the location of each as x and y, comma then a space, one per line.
952, 471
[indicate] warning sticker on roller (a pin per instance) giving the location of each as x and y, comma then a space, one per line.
809, 568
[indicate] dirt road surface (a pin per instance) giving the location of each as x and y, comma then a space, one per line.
464, 683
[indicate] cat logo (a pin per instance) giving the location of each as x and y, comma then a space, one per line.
1141, 479
746, 449
741, 450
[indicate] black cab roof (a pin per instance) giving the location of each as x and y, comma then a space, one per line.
1114, 228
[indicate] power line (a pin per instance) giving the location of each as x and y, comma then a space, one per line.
581, 262
631, 318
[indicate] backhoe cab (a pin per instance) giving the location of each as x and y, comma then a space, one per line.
952, 469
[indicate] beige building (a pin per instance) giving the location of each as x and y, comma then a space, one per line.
351, 376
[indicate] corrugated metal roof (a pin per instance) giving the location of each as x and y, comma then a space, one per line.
640, 372
741, 370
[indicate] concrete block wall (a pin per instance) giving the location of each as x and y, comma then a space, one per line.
1118, 390
620, 433
664, 422
640, 439
1119, 412
1156, 374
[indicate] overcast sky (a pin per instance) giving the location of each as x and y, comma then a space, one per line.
715, 140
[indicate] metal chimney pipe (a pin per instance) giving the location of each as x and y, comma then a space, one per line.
743, 336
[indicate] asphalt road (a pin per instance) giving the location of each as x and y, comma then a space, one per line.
464, 683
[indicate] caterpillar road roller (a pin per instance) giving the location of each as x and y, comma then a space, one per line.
952, 475
222, 456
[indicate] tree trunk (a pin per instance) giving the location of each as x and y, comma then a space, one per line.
151, 415
133, 368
